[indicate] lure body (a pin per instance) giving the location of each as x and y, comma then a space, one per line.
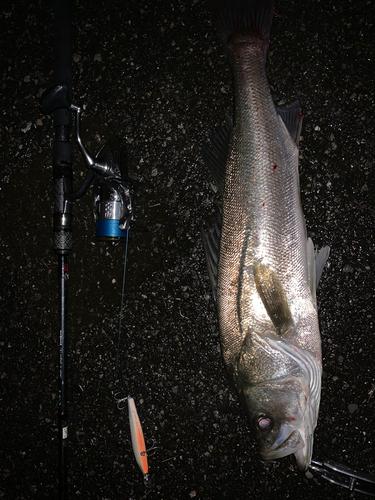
138, 440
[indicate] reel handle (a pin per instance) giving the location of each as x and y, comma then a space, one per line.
55, 97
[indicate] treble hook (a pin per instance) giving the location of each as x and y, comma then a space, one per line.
120, 402
153, 448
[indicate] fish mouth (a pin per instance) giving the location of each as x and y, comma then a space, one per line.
304, 455
295, 443
283, 447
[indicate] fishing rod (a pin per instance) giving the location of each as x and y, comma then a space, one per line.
114, 197
63, 214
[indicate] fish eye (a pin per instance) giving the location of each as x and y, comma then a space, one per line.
262, 422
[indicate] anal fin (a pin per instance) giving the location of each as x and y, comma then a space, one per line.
292, 118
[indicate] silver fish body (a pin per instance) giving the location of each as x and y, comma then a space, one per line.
263, 266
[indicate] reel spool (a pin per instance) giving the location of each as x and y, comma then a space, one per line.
114, 196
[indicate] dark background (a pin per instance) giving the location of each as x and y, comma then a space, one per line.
155, 73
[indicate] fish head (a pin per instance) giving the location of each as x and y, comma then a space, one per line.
279, 384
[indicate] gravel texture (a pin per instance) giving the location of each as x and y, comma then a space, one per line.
156, 74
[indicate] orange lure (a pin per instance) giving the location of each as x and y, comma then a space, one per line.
138, 442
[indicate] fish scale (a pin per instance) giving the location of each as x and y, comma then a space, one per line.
262, 214
263, 268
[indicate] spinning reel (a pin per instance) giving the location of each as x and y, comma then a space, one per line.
114, 188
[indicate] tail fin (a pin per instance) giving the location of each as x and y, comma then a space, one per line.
245, 17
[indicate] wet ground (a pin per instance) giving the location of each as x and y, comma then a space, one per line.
155, 73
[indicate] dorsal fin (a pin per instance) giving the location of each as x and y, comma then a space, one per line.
211, 245
215, 157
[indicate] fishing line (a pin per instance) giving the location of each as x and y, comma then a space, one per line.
120, 324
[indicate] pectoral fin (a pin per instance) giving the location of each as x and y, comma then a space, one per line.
273, 297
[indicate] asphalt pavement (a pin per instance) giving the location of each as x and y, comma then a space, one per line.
155, 74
